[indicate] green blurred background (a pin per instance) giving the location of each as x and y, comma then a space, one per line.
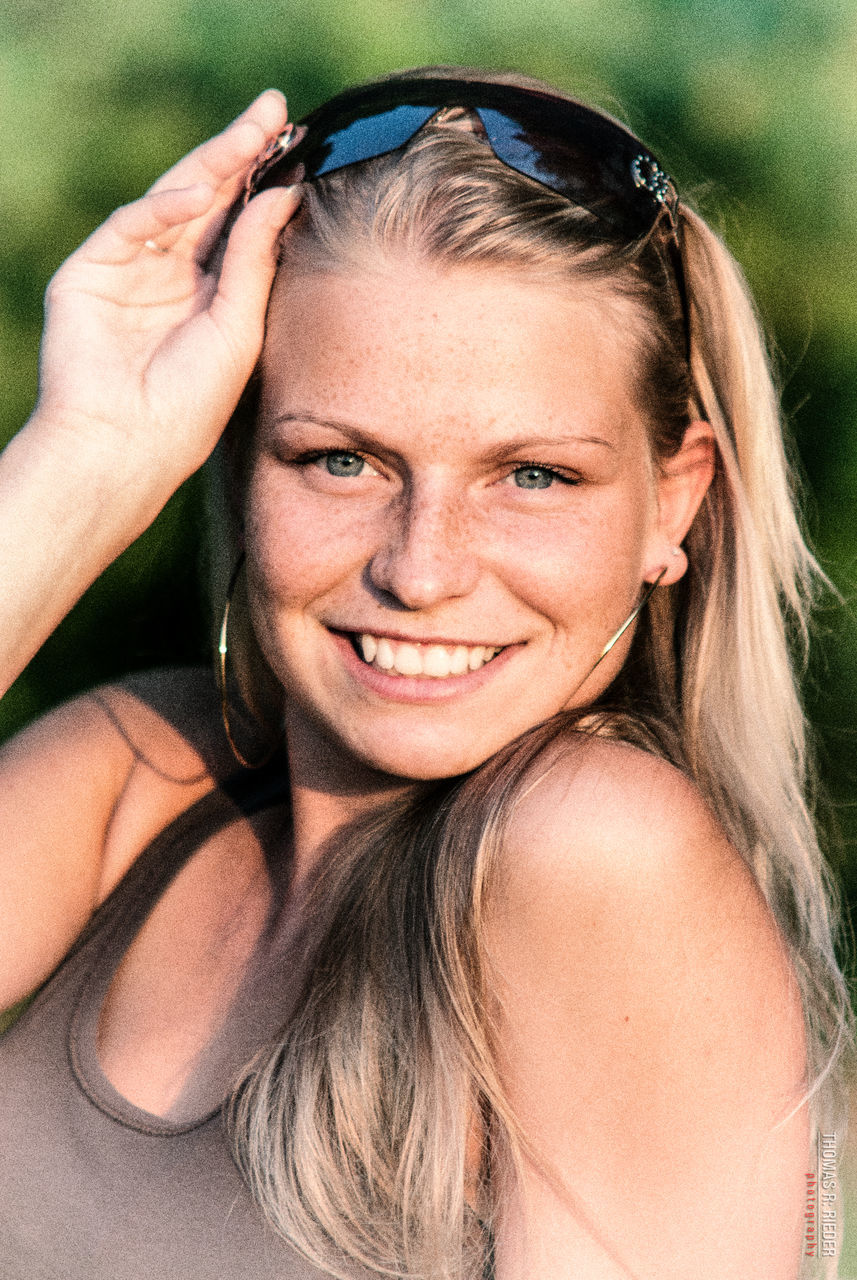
751, 104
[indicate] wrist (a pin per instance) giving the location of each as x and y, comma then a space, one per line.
98, 458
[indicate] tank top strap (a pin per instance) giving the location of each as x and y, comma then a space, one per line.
121, 914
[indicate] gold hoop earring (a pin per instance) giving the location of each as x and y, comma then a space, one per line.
644, 600
222, 652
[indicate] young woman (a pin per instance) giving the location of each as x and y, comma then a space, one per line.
482, 901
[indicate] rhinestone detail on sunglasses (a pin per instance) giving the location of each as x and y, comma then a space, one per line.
577, 151
571, 148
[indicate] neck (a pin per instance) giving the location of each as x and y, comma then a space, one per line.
329, 788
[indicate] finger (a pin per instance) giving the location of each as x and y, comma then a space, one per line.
159, 219
250, 263
224, 162
223, 159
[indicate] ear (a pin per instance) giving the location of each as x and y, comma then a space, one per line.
682, 483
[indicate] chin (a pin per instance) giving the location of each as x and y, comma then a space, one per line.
417, 763
423, 756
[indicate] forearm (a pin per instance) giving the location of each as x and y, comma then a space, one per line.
69, 505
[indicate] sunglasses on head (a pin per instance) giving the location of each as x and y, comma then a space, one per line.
572, 149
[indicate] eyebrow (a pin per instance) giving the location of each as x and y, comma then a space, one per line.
520, 444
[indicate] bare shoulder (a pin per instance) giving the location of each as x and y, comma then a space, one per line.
601, 820
651, 1028
170, 719
169, 722
82, 790
612, 852
164, 721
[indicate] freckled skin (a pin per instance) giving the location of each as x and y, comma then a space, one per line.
447, 385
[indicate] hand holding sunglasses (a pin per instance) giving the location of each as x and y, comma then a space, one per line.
177, 333
147, 347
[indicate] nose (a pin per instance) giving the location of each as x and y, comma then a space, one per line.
428, 553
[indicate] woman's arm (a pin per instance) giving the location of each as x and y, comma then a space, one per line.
145, 353
651, 1036
147, 347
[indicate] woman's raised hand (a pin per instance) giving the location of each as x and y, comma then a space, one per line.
146, 346
150, 337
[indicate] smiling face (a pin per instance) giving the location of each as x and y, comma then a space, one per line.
451, 509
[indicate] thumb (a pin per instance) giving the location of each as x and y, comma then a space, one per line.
249, 265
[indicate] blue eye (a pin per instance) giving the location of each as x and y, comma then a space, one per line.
534, 477
343, 464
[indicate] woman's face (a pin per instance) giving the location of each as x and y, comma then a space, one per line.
451, 509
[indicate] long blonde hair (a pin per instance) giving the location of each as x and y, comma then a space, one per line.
351, 1130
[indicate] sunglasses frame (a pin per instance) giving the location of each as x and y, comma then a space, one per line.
574, 150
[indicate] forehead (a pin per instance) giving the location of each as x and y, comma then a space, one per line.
409, 348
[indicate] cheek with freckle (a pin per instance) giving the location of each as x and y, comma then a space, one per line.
294, 550
302, 561
580, 574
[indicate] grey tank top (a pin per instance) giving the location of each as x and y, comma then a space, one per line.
91, 1186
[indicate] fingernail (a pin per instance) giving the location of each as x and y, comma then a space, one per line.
265, 92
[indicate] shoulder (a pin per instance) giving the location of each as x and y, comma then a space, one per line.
82, 790
165, 719
603, 821
170, 720
647, 1011
96, 778
612, 855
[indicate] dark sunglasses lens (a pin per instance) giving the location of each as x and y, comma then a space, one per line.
590, 171
564, 147
368, 137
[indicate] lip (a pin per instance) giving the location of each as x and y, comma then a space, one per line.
403, 638
415, 689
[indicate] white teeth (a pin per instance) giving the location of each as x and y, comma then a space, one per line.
385, 658
436, 662
402, 658
459, 661
369, 645
408, 661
